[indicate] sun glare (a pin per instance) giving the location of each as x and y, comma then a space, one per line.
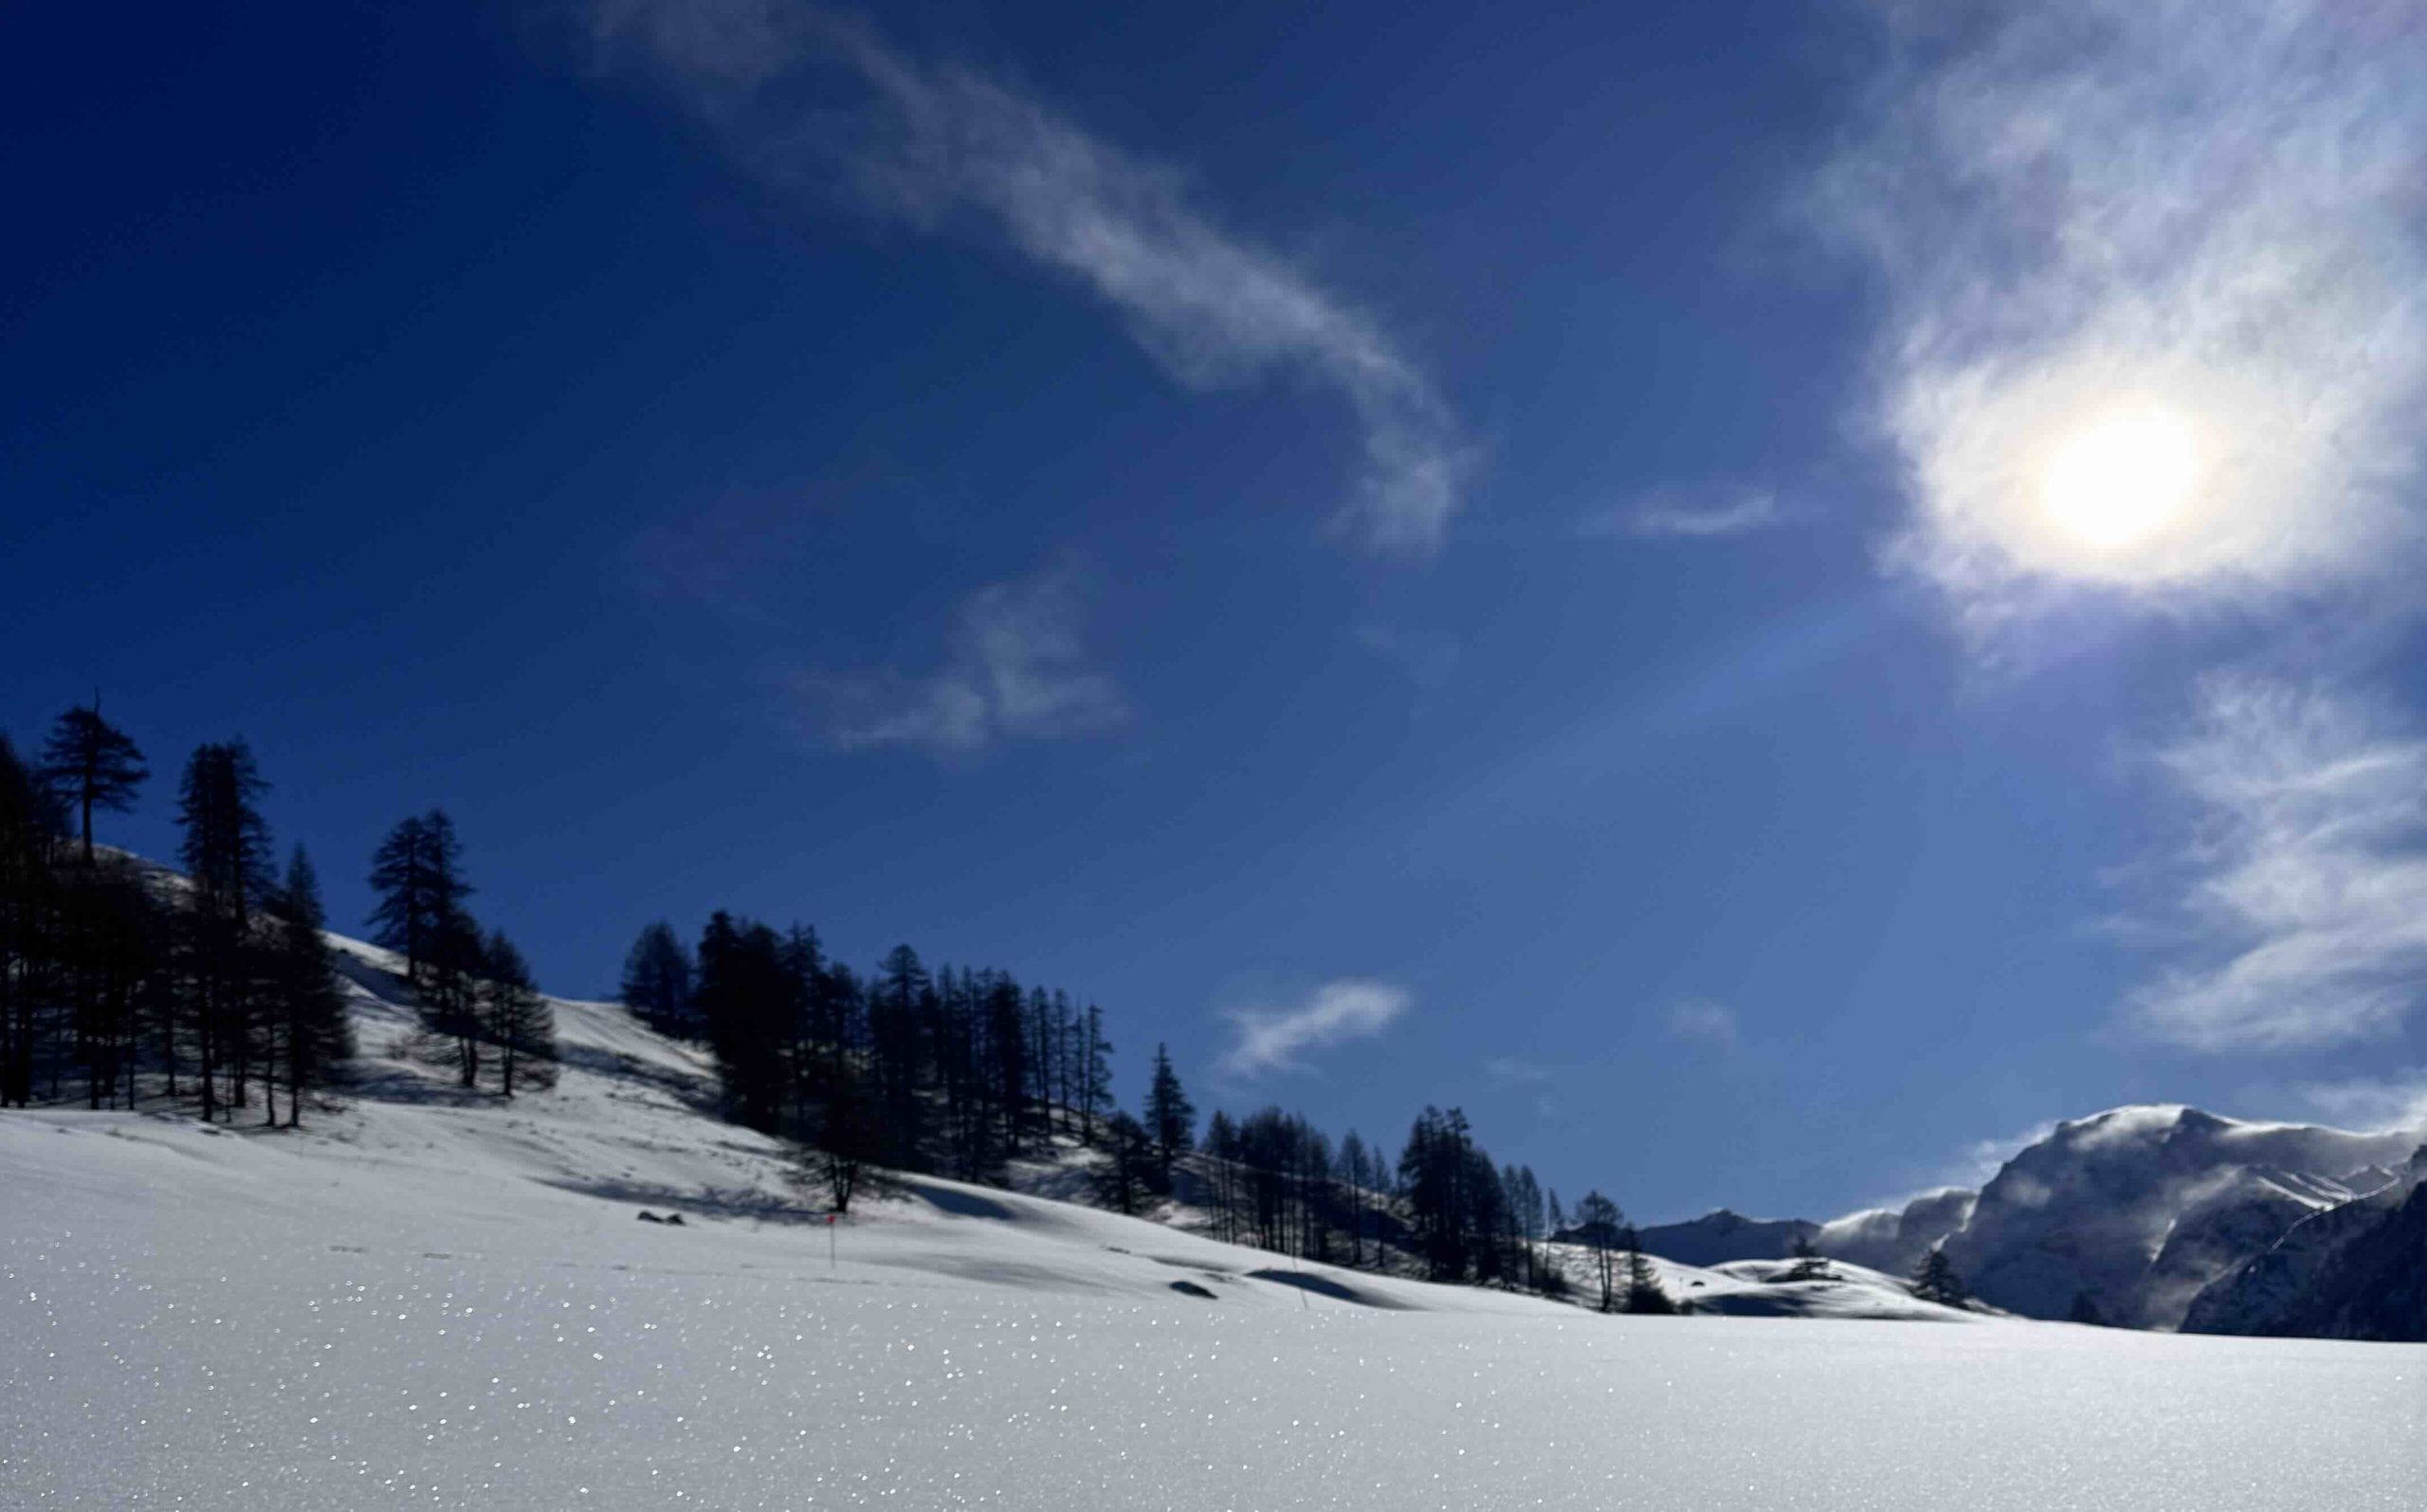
2121, 479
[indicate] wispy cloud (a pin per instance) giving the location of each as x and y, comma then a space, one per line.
2385, 1103
1973, 1165
2307, 870
1275, 1039
935, 143
1016, 668
2210, 206
1698, 1019
1691, 514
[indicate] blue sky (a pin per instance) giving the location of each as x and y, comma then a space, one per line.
1533, 561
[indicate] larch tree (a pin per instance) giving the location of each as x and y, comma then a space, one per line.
225, 849
1095, 1073
1171, 1119
310, 1013
1128, 1168
1597, 1224
90, 764
417, 872
517, 1019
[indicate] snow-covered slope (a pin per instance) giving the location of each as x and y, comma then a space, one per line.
1894, 1239
2268, 1292
433, 1299
2140, 1208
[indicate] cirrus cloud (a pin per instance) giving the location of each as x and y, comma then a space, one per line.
935, 143
2305, 874
1016, 668
1277, 1038
2212, 205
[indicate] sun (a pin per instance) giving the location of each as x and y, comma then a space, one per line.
2123, 477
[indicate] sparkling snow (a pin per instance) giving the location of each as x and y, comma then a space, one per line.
428, 1304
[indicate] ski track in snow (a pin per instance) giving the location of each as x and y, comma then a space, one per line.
425, 1303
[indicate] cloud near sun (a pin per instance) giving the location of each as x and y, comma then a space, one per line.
2153, 276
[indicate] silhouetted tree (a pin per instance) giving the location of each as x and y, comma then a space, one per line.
745, 1000
519, 1021
1129, 1166
657, 981
1644, 1293
1934, 1279
1171, 1119
29, 835
225, 849
450, 996
1596, 1223
310, 1013
1095, 1073
417, 872
91, 764
847, 1141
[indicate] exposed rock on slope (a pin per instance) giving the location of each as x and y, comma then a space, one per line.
2339, 1272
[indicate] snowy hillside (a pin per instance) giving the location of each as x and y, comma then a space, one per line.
427, 1299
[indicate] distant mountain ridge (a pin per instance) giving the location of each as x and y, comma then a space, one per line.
2139, 1209
2354, 1271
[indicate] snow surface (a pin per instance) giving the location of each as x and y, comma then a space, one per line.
432, 1301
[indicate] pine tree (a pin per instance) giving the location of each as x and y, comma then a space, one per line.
519, 1021
746, 1004
91, 764
1171, 1119
1934, 1279
657, 981
312, 1014
1644, 1293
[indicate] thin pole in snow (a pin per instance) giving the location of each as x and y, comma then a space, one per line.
830, 1263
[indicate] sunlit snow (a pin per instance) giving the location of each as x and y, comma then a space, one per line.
429, 1302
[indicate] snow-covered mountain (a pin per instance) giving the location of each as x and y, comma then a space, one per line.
2138, 1209
2339, 1272
1894, 1239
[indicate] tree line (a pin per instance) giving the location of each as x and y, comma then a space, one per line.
216, 988
963, 1071
213, 986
